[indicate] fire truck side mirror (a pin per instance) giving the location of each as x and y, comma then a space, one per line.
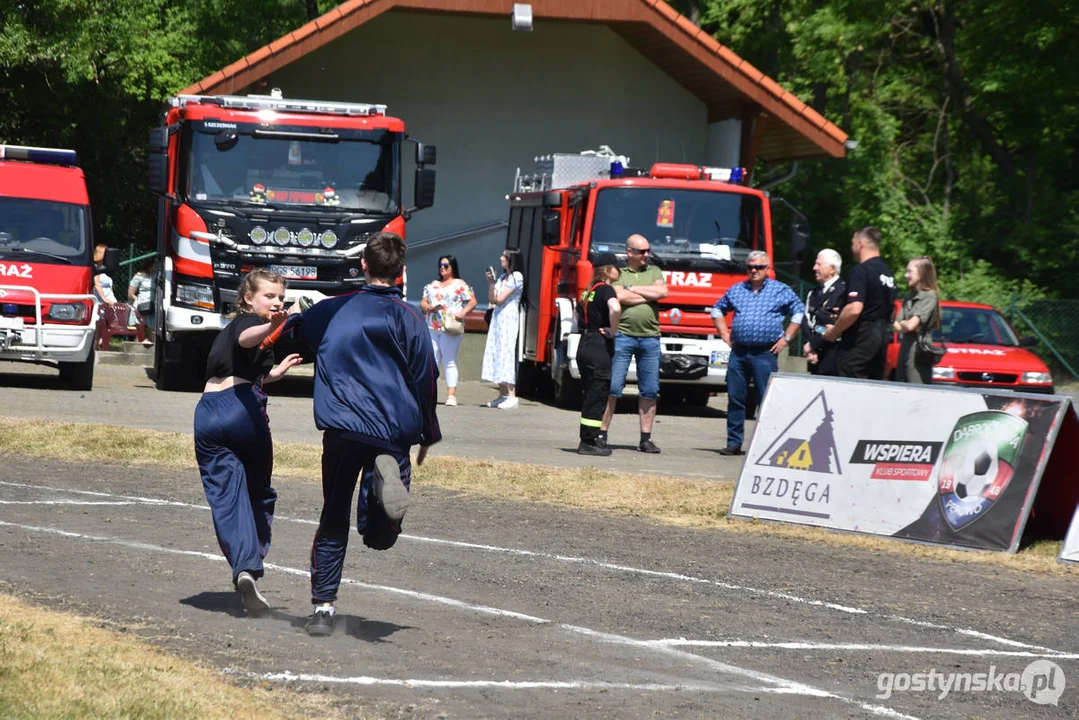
112, 261
425, 187
159, 173
552, 225
159, 140
425, 154
799, 240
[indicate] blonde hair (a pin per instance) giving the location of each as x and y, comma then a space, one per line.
250, 284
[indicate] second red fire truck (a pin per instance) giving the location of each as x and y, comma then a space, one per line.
296, 186
701, 224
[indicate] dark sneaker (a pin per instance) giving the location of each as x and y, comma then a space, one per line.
593, 449
320, 624
731, 450
254, 603
388, 488
648, 447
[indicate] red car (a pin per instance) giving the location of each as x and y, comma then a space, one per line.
983, 351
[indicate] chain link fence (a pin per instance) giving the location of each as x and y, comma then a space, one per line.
1055, 323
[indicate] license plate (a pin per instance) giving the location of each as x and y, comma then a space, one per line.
10, 323
720, 357
296, 272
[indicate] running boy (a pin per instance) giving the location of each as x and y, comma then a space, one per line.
375, 396
232, 433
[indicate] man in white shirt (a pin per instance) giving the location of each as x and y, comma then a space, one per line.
823, 305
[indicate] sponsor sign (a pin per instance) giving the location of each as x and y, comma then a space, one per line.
931, 464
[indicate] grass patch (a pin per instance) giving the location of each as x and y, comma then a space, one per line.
58, 665
676, 501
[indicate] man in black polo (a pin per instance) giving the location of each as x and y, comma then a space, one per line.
862, 328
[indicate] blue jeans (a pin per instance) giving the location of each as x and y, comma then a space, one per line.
758, 363
647, 351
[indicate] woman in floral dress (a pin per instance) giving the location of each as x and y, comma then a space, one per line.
449, 295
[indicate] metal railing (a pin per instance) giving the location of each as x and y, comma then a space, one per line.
1055, 323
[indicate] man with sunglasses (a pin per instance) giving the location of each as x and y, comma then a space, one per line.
756, 337
640, 287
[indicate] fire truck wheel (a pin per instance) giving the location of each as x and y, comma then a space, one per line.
567, 391
527, 379
176, 376
79, 375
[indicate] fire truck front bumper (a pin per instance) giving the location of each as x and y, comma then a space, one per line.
705, 358
45, 343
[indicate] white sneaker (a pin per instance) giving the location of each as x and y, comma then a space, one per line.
254, 602
451, 401
509, 403
497, 401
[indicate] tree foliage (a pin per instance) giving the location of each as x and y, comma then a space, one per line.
965, 113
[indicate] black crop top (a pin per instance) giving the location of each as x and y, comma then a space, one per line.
228, 358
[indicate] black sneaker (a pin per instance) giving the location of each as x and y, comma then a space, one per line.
388, 488
647, 446
254, 603
601, 442
320, 624
730, 450
593, 449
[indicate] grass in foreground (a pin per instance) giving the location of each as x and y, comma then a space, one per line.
675, 501
57, 665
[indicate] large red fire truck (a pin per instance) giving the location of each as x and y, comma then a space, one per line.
48, 313
701, 223
254, 181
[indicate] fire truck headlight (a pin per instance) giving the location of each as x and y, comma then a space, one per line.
67, 312
281, 236
195, 295
258, 235
305, 237
328, 239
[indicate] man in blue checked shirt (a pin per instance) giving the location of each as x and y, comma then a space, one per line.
756, 337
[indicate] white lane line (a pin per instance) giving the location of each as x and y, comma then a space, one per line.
782, 685
863, 647
81, 503
596, 563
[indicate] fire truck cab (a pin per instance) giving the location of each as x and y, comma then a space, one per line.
263, 181
701, 224
48, 313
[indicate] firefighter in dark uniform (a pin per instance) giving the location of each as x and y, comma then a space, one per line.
598, 313
864, 321
822, 309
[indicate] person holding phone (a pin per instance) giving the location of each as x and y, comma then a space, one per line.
504, 293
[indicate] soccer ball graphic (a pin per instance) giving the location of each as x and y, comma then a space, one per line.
976, 471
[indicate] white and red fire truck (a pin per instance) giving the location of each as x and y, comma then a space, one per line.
48, 313
701, 223
296, 186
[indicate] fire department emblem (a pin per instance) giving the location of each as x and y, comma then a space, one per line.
978, 463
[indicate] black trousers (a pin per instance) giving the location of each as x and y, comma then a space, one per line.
862, 352
594, 355
826, 357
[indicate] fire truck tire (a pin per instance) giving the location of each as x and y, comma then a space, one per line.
698, 397
79, 375
528, 378
180, 376
567, 390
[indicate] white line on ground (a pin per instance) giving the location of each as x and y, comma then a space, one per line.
782, 685
594, 562
864, 647
70, 502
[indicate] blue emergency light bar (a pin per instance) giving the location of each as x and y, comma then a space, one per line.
49, 156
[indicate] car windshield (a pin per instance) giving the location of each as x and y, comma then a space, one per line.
43, 226
696, 223
357, 172
961, 325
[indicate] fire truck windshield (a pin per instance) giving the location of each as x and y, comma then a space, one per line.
704, 224
358, 171
50, 229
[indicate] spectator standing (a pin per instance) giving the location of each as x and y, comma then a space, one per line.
863, 323
919, 316
102, 280
447, 297
504, 293
756, 337
823, 305
140, 293
598, 314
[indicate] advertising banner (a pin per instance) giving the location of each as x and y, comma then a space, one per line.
930, 464
1070, 552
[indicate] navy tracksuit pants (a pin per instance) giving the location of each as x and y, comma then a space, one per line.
344, 462
235, 456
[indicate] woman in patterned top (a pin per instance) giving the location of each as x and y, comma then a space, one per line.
448, 295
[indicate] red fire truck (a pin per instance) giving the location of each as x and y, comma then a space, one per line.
701, 223
254, 181
48, 312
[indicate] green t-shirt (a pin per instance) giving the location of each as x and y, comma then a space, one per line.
640, 320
